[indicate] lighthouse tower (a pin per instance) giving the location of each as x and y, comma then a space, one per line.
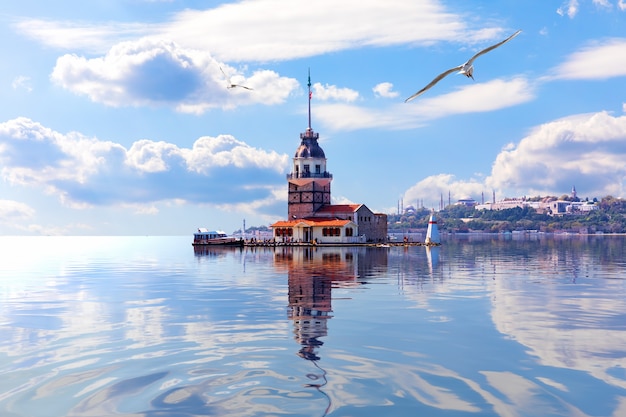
309, 181
432, 233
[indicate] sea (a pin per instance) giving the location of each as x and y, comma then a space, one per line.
485, 325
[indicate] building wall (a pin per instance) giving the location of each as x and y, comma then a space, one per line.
305, 198
372, 225
318, 234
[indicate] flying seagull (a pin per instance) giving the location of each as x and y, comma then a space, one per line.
230, 83
466, 69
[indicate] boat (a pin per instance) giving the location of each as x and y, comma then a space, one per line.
206, 237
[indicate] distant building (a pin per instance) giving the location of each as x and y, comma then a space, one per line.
550, 206
467, 201
311, 216
508, 203
574, 207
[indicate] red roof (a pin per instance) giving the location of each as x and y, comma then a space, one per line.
339, 208
310, 222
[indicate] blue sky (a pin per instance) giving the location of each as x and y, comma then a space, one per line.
116, 118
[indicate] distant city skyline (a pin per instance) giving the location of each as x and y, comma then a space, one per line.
117, 116
469, 199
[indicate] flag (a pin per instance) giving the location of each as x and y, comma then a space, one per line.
310, 94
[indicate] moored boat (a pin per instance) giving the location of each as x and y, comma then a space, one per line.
206, 237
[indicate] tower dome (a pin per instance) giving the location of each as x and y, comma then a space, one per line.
309, 147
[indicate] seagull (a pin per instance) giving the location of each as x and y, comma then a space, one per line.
230, 83
466, 69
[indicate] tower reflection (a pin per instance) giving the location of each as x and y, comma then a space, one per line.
310, 277
312, 274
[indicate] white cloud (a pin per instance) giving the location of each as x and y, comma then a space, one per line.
22, 82
598, 60
569, 8
572, 7
432, 188
151, 72
266, 30
484, 97
603, 3
586, 150
11, 211
385, 90
86, 172
332, 92
82, 36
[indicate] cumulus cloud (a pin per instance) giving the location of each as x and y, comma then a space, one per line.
157, 72
252, 31
598, 60
332, 92
87, 172
586, 151
484, 97
385, 90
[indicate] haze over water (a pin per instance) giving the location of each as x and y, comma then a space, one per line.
146, 326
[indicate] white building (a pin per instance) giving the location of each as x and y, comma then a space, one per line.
554, 207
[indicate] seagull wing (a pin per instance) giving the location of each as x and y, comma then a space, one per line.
230, 84
484, 51
225, 76
435, 81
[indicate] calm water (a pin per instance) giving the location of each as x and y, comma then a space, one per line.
146, 326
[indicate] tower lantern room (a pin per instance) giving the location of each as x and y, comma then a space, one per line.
309, 160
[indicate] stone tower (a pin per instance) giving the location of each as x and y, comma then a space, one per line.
309, 181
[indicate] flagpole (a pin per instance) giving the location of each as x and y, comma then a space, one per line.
309, 85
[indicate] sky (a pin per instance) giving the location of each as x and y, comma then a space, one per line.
116, 117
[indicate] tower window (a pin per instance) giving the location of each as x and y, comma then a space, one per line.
307, 170
318, 169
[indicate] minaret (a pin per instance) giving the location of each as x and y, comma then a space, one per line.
309, 182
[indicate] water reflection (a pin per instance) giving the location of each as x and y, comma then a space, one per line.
564, 327
312, 272
432, 256
489, 326
214, 251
